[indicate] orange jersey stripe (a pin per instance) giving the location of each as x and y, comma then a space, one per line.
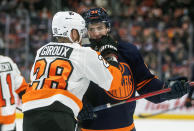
7, 119
45, 97
143, 83
46, 93
23, 86
128, 128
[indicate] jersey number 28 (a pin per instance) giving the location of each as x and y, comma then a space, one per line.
56, 74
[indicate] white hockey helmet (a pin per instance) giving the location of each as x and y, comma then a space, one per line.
64, 21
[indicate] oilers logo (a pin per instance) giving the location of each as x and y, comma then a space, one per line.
127, 88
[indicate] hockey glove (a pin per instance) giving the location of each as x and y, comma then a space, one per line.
105, 46
108, 49
188, 103
87, 112
178, 78
178, 89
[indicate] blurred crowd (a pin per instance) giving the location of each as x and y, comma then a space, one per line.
161, 30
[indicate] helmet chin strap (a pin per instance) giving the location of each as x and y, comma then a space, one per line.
80, 39
75, 41
69, 36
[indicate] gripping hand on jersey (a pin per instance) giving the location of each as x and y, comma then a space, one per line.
178, 89
108, 49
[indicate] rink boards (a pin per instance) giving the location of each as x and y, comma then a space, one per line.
145, 107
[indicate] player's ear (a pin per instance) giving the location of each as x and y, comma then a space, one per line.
108, 30
75, 35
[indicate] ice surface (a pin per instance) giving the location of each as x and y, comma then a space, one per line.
152, 125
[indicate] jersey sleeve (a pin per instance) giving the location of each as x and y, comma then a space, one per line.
20, 84
31, 73
96, 69
145, 81
32, 76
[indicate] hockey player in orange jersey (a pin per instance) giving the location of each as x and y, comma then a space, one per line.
60, 76
11, 84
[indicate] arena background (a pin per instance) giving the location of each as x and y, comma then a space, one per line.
161, 29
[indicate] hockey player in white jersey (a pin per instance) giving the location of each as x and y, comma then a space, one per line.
61, 75
11, 84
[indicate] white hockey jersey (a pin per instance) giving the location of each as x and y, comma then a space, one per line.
11, 82
62, 72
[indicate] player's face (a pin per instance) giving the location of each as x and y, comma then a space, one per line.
97, 30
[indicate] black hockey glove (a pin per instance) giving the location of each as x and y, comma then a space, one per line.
105, 45
189, 99
178, 78
178, 89
188, 103
108, 49
87, 112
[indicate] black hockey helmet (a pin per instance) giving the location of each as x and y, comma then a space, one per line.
96, 15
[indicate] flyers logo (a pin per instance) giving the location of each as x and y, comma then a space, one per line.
127, 88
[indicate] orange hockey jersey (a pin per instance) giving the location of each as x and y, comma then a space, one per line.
62, 72
11, 84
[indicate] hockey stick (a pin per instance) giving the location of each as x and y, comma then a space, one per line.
106, 106
158, 113
19, 109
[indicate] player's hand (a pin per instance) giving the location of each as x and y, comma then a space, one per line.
178, 89
106, 45
108, 49
188, 103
